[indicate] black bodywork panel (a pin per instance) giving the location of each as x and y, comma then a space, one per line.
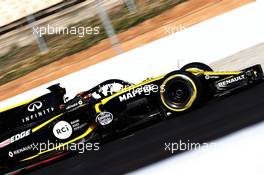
132, 106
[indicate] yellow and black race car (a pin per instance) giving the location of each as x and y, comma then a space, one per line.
49, 127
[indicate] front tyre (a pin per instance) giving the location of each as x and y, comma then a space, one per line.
180, 91
196, 66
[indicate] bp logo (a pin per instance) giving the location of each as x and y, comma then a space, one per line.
34, 106
62, 130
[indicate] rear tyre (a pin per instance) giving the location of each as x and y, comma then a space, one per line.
180, 91
196, 65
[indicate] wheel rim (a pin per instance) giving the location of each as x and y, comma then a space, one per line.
179, 93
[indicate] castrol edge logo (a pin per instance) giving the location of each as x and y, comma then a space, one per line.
15, 138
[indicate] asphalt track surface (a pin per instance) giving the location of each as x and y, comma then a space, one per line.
217, 118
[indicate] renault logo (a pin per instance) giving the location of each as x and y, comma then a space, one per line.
34, 106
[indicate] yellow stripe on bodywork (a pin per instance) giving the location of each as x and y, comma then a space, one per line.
45, 123
50, 120
196, 71
89, 130
16, 105
97, 108
221, 73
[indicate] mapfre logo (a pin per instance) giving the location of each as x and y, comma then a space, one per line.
35, 106
62, 130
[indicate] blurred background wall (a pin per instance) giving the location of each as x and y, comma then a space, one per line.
63, 14
12, 10
22, 52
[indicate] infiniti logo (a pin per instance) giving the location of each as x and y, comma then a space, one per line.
10, 154
34, 106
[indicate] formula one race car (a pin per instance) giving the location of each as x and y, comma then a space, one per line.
50, 126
